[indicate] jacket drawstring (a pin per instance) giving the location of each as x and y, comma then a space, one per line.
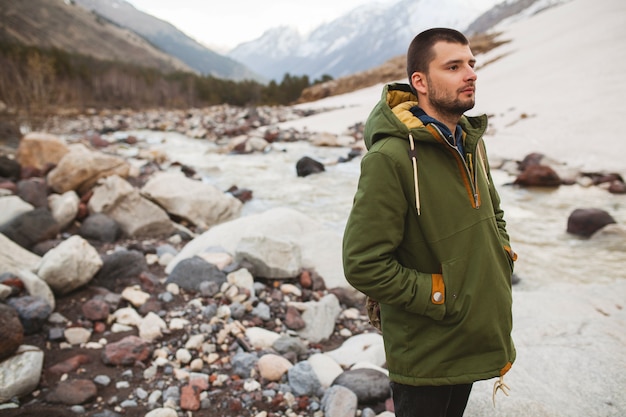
479, 149
413, 155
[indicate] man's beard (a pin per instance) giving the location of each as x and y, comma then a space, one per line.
452, 106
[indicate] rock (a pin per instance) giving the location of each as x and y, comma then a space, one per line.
126, 316
151, 327
9, 168
319, 246
39, 150
303, 381
100, 228
325, 367
162, 412
307, 166
261, 338
617, 187
191, 273
273, 367
365, 347
348, 297
64, 207
70, 265
127, 351
34, 191
77, 335
269, 257
11, 331
289, 345
200, 203
242, 278
37, 287
14, 258
11, 207
32, 311
20, 374
585, 222
5, 291
135, 295
293, 319
319, 317
326, 139
369, 385
31, 228
244, 363
136, 215
190, 398
7, 188
69, 365
532, 159
96, 310
121, 268
73, 392
339, 401
81, 168
538, 176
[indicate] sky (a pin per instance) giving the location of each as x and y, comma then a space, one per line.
244, 20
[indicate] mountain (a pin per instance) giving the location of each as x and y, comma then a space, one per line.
65, 26
169, 39
370, 35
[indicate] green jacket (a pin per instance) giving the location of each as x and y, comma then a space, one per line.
426, 238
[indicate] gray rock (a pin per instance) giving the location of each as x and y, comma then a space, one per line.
243, 364
32, 311
121, 265
101, 228
369, 385
286, 344
192, 272
31, 227
303, 381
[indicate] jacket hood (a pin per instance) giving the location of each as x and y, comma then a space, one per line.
391, 117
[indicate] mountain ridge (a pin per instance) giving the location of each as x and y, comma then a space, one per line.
65, 26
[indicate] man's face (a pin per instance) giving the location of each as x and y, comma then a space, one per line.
451, 80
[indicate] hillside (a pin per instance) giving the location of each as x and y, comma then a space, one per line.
70, 28
169, 39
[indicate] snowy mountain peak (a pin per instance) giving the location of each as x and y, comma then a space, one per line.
369, 35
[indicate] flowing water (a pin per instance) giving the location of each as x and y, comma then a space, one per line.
537, 218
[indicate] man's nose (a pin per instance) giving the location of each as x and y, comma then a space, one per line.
471, 74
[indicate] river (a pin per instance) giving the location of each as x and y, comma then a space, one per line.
537, 218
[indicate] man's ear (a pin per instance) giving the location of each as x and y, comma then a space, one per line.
418, 81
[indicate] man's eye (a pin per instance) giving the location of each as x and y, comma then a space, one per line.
453, 67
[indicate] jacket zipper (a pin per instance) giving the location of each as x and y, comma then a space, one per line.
468, 171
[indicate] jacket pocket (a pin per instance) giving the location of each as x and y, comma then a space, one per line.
454, 274
435, 306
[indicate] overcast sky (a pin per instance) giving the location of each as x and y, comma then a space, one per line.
225, 24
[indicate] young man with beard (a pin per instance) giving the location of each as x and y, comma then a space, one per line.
426, 237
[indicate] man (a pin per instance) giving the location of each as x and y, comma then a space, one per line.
426, 236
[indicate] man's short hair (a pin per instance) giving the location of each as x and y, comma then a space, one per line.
420, 52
